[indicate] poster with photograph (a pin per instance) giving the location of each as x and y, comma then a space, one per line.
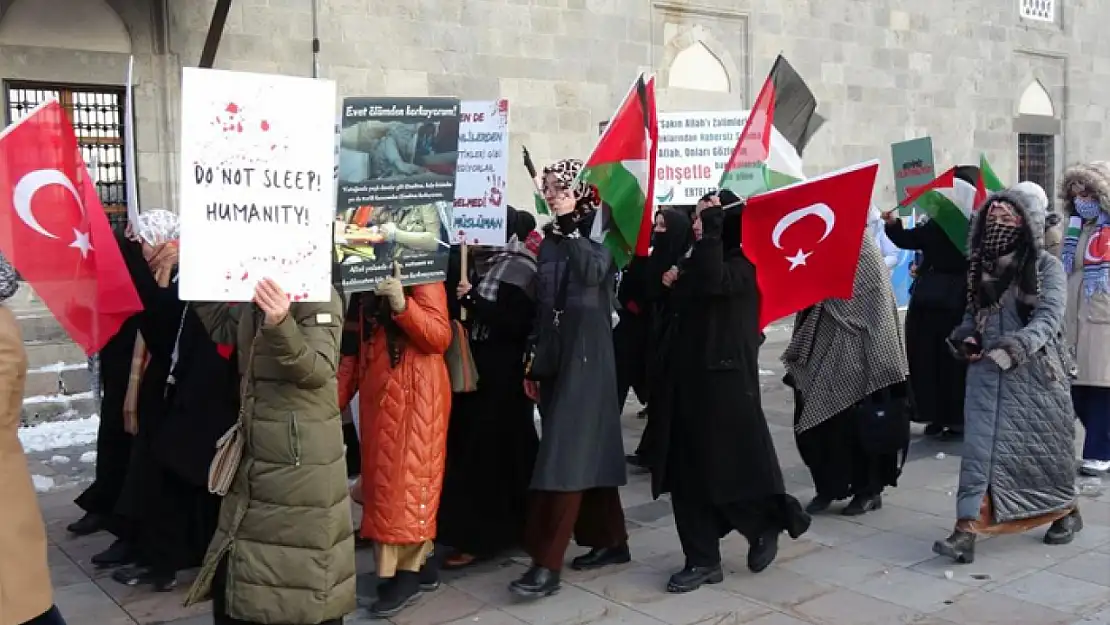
397, 170
480, 193
256, 195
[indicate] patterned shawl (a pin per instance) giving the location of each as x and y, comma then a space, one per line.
843, 350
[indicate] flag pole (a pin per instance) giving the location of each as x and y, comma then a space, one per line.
315, 40
131, 182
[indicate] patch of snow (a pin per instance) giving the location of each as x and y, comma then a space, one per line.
940, 455
42, 483
59, 460
59, 367
766, 372
59, 434
88, 457
56, 398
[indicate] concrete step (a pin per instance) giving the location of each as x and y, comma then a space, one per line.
49, 408
58, 379
43, 355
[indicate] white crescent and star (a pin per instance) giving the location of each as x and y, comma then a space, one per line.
1092, 241
25, 191
818, 210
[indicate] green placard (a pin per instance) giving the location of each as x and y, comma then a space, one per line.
913, 166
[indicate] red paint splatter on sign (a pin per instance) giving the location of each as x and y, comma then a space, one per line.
265, 126
245, 275
232, 108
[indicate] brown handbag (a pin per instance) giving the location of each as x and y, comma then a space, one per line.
460, 361
229, 448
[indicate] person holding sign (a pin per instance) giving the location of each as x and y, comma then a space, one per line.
392, 356
283, 551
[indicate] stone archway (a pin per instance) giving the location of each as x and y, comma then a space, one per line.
1037, 130
694, 60
89, 26
1036, 101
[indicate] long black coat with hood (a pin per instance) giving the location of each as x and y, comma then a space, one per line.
712, 438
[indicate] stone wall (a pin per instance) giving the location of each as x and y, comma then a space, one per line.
882, 71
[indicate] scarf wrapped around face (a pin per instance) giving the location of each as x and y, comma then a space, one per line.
1003, 258
1096, 258
516, 265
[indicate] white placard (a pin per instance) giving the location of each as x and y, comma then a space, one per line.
694, 148
257, 191
480, 183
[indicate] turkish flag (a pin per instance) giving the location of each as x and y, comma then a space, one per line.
805, 239
54, 230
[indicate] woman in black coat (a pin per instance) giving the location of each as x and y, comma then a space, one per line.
713, 451
936, 306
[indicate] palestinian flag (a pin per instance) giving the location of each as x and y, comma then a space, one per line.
541, 203
947, 200
768, 154
622, 168
988, 182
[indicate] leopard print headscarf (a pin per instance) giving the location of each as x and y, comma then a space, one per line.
565, 172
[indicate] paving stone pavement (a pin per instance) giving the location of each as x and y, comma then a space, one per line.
876, 569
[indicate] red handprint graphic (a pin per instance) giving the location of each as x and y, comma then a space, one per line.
495, 195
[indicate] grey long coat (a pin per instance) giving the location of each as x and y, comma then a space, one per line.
1019, 424
581, 446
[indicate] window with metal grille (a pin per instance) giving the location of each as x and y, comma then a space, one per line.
97, 114
1039, 10
1037, 160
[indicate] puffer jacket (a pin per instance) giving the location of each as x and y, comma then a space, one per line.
285, 524
1088, 319
1019, 428
403, 411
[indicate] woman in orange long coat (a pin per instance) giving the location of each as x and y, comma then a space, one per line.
393, 350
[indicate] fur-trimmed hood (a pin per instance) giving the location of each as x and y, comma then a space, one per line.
1095, 176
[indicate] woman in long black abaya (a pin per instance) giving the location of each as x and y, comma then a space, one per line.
712, 446
491, 440
188, 397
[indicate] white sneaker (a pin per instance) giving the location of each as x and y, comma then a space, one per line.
1095, 466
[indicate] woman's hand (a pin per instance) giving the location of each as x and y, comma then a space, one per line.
391, 289
889, 217
532, 390
273, 301
972, 348
163, 257
669, 276
463, 288
564, 203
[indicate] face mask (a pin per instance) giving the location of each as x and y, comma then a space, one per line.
1086, 207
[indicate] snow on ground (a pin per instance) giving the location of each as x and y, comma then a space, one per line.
56, 398
89, 457
42, 483
59, 367
59, 434
59, 459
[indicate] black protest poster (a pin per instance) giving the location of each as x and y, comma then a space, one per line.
396, 187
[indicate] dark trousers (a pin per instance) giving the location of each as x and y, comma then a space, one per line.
50, 617
1092, 406
593, 517
840, 466
701, 524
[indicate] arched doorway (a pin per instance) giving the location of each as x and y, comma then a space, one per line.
1037, 127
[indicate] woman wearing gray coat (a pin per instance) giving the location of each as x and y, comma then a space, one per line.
1017, 471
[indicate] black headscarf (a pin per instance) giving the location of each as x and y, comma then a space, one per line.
670, 246
519, 223
730, 228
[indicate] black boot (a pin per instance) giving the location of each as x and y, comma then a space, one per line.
960, 546
395, 595
88, 524
597, 558
119, 553
1063, 531
429, 575
691, 578
862, 504
762, 551
136, 575
934, 429
536, 583
818, 504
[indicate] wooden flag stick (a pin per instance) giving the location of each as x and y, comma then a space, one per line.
463, 272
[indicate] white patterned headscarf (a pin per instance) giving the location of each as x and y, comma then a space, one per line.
9, 283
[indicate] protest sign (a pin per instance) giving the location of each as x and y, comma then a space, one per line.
694, 148
913, 166
256, 196
482, 170
397, 171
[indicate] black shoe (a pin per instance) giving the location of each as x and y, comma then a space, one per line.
950, 435
597, 558
536, 583
933, 429
1063, 531
395, 595
119, 553
428, 577
88, 524
136, 575
763, 551
691, 578
818, 504
960, 546
642, 414
862, 504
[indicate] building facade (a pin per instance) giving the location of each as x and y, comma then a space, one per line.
1025, 81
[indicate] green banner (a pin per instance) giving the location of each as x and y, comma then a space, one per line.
913, 166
